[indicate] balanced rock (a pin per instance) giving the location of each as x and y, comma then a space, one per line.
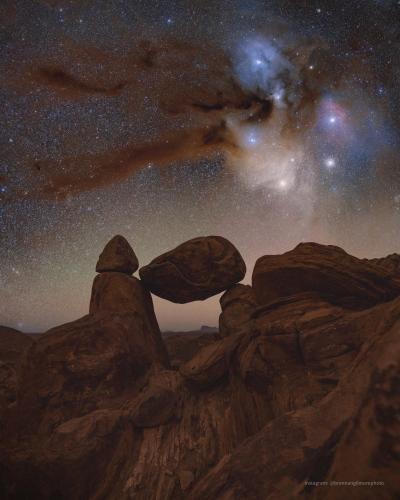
327, 270
195, 270
305, 390
237, 305
118, 256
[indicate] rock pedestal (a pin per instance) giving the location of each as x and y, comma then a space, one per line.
78, 367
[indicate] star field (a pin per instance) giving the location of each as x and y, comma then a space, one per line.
268, 123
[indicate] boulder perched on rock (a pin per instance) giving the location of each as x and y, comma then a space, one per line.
117, 256
326, 270
195, 270
299, 389
237, 305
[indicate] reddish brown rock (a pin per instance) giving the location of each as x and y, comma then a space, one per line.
154, 406
326, 270
114, 293
195, 270
208, 366
182, 346
237, 304
351, 435
79, 367
391, 263
117, 256
304, 390
12, 345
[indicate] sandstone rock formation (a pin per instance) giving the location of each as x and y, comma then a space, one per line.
195, 270
391, 263
182, 346
351, 435
118, 256
301, 387
237, 305
12, 345
327, 270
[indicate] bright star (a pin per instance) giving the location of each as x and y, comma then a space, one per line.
330, 162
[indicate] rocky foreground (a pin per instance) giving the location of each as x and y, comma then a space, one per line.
301, 384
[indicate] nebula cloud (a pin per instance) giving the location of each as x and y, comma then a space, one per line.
261, 68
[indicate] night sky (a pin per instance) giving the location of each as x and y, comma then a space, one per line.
266, 122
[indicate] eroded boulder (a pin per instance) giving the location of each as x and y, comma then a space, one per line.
324, 269
195, 270
117, 256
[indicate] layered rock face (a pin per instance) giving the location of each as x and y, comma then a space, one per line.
328, 271
195, 270
301, 385
237, 305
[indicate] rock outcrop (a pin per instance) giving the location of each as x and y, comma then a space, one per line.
351, 435
182, 346
82, 366
195, 270
301, 387
13, 343
237, 304
326, 270
391, 263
